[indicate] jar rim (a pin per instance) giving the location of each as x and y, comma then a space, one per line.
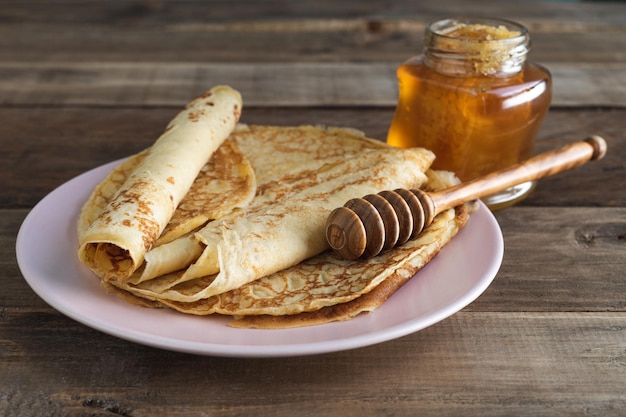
443, 27
487, 46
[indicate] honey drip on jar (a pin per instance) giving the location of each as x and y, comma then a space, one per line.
473, 100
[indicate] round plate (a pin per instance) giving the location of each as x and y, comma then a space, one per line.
46, 253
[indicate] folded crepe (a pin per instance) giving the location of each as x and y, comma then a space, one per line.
325, 288
265, 261
114, 244
285, 222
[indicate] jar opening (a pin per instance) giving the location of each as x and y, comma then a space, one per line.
490, 47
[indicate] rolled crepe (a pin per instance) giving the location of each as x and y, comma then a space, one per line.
114, 245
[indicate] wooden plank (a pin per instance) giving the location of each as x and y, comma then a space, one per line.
597, 183
133, 13
540, 243
84, 138
472, 364
262, 85
161, 31
543, 242
296, 84
96, 43
546, 338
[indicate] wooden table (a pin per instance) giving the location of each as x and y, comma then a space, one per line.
82, 84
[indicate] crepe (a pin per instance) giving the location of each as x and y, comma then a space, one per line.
268, 260
226, 183
326, 288
302, 174
329, 298
114, 245
363, 301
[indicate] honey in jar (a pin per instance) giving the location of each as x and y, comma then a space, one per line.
473, 99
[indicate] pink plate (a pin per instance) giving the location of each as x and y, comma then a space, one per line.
46, 254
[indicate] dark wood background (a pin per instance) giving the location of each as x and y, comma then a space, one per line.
84, 83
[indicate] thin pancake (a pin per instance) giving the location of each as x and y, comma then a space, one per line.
284, 224
323, 280
365, 303
322, 288
114, 245
223, 185
326, 288
288, 163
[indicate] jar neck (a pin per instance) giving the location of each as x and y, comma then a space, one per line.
476, 47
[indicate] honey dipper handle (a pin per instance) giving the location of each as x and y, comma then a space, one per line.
537, 167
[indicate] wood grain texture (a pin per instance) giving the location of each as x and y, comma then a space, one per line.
532, 365
67, 141
556, 259
263, 85
94, 43
554, 17
84, 83
568, 259
164, 31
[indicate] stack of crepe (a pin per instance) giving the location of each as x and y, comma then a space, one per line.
223, 218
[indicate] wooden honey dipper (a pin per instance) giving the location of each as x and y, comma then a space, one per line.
366, 226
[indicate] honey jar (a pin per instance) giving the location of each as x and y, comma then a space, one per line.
473, 99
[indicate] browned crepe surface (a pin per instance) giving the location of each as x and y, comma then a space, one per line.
326, 288
322, 288
366, 303
302, 172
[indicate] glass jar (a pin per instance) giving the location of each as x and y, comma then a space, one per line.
473, 99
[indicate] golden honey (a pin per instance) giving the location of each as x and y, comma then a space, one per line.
473, 99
